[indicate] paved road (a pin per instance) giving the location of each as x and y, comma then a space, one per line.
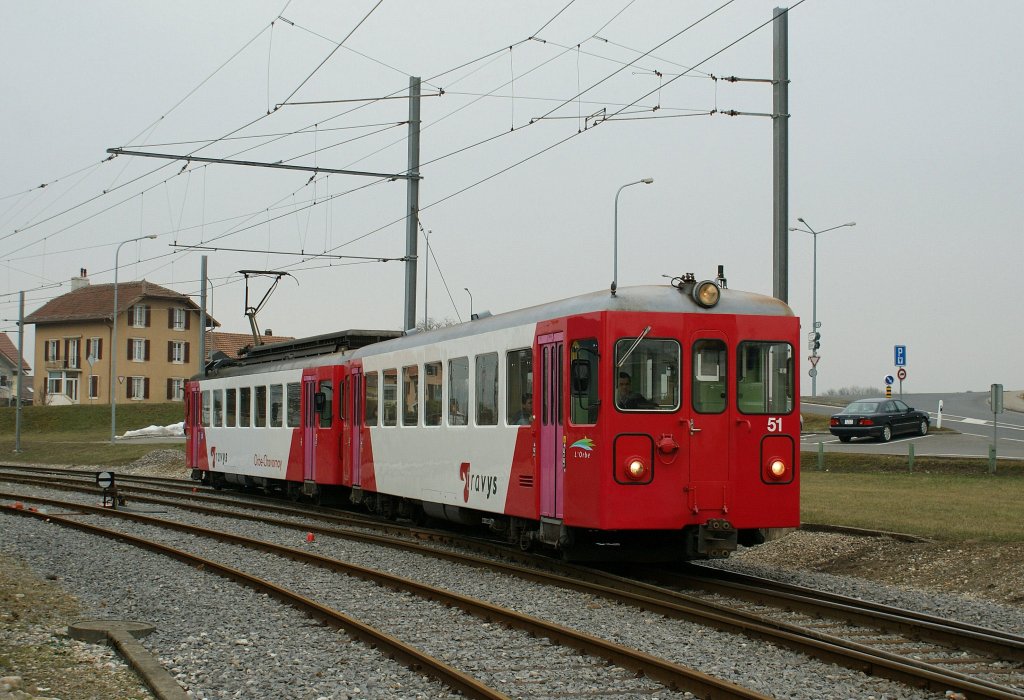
968, 414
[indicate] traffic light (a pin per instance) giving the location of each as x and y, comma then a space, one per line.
816, 341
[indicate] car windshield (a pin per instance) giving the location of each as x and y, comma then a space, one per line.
862, 407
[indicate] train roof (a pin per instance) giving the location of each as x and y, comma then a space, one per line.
318, 350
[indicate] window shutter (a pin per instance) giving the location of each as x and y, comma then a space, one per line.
147, 315
170, 350
99, 348
88, 347
186, 350
170, 389
131, 316
94, 385
78, 354
188, 316
146, 343
145, 388
129, 387
131, 349
66, 341
170, 318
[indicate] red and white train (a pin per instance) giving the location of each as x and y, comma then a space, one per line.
653, 423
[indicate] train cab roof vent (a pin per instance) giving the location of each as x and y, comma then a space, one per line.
481, 314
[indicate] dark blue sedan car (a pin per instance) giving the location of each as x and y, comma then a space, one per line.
878, 418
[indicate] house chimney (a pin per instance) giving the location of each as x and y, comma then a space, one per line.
81, 281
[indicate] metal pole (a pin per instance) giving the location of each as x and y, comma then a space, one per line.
21, 371
615, 239
202, 316
780, 124
814, 308
426, 281
413, 203
470, 302
113, 343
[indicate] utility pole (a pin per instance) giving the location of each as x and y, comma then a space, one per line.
780, 122
202, 316
413, 203
21, 371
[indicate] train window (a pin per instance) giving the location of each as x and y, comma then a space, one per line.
709, 375
410, 395
294, 404
487, 389
646, 374
390, 398
432, 386
230, 410
764, 382
584, 400
206, 409
244, 406
519, 387
218, 408
326, 415
260, 408
276, 405
370, 381
458, 390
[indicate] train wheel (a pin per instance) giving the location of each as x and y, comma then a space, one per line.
886, 435
526, 539
923, 428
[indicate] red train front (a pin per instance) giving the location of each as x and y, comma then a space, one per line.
657, 423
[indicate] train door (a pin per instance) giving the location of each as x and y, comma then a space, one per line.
309, 428
709, 423
193, 421
355, 423
550, 448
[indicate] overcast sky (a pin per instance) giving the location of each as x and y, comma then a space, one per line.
905, 118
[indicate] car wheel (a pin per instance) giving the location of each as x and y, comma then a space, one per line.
886, 435
923, 428
844, 438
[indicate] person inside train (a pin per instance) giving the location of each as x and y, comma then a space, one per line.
625, 397
525, 414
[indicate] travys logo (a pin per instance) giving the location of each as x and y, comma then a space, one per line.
215, 458
583, 444
487, 485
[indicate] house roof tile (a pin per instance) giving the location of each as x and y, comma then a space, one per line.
96, 302
9, 351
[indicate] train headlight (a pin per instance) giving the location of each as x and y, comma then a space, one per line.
777, 468
706, 294
636, 469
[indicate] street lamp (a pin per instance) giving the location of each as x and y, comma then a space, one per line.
615, 243
814, 297
113, 342
470, 302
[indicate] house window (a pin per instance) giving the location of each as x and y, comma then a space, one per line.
138, 388
71, 352
139, 317
54, 382
138, 349
175, 389
94, 386
71, 388
52, 351
177, 351
94, 348
177, 319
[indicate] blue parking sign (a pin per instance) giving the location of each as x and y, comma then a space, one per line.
900, 355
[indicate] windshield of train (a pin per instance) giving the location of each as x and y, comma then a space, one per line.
646, 374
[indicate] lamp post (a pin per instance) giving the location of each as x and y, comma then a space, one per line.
615, 242
113, 342
470, 302
814, 297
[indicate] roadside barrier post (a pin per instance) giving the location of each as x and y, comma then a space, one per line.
821, 455
910, 458
938, 422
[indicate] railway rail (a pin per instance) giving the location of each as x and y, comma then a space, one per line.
991, 653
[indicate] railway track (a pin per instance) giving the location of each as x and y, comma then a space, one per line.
912, 649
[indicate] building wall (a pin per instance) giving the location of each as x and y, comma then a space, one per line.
142, 357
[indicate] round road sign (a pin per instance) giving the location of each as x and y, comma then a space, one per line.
889, 380
812, 372
901, 374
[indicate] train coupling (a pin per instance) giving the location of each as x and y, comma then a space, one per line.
717, 538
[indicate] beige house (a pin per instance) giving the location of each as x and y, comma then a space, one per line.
157, 337
11, 364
